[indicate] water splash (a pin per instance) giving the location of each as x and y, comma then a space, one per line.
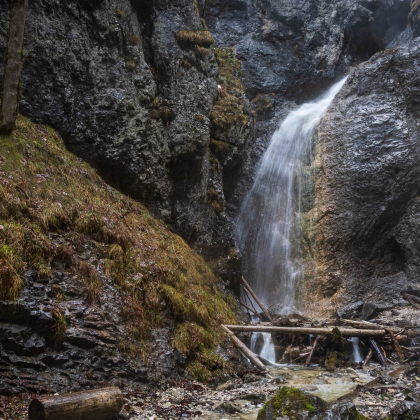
357, 351
267, 351
271, 210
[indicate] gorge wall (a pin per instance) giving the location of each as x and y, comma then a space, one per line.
146, 106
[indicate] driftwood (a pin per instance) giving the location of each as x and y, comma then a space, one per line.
415, 298
308, 360
411, 300
397, 348
377, 351
251, 310
368, 357
364, 325
245, 350
345, 332
260, 304
13, 64
96, 404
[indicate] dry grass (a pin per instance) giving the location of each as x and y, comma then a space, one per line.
44, 188
187, 38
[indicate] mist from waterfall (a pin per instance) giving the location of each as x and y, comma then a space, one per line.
270, 213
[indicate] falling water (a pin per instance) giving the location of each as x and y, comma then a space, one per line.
271, 210
357, 352
267, 350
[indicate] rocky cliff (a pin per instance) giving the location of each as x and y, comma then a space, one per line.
367, 189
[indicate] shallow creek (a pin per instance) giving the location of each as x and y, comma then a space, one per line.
247, 396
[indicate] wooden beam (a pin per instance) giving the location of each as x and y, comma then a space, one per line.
260, 304
368, 357
244, 349
251, 310
94, 404
13, 64
346, 332
308, 360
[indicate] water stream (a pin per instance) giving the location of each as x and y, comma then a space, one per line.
357, 350
267, 351
270, 213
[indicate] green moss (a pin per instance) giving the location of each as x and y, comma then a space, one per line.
289, 401
229, 108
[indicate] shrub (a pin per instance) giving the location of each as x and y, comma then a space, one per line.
187, 38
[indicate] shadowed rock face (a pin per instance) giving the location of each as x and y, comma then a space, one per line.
109, 78
368, 181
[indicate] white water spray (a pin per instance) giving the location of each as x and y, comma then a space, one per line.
267, 351
357, 351
271, 210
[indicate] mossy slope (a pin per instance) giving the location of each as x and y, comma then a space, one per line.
44, 189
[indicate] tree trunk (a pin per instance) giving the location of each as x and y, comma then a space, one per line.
346, 332
308, 360
260, 304
378, 352
95, 404
364, 325
244, 349
251, 310
13, 66
397, 348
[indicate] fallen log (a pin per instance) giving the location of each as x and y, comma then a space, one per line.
244, 349
368, 357
308, 360
364, 325
411, 300
346, 332
397, 348
95, 404
260, 304
415, 298
251, 310
377, 351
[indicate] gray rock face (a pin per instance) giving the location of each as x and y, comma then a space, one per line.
115, 83
368, 178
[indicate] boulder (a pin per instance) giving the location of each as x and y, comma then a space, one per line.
292, 403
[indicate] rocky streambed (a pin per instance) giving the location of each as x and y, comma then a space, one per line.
376, 392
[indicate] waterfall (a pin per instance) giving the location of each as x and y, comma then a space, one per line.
267, 350
270, 213
357, 352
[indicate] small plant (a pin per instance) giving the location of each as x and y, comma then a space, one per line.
120, 14
187, 37
131, 65
59, 326
201, 52
92, 281
186, 64
133, 39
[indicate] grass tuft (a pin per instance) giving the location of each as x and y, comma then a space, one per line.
187, 38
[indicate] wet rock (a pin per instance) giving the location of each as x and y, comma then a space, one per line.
369, 311
250, 377
366, 189
227, 407
292, 403
350, 311
387, 380
227, 386
255, 397
406, 410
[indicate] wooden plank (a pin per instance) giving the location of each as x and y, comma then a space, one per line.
94, 404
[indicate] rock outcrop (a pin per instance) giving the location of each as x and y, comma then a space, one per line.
368, 182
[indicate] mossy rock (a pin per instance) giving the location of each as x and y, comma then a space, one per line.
292, 403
